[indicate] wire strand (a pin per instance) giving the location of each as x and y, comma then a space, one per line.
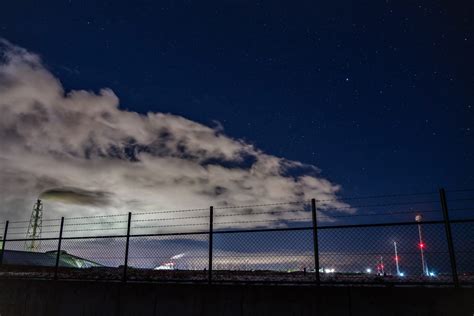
268, 220
378, 214
260, 213
375, 196
161, 226
380, 205
170, 211
259, 205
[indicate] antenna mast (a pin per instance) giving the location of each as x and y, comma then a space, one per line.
34, 228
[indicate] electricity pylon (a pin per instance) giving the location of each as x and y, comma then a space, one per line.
34, 228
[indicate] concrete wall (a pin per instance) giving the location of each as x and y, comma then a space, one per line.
49, 298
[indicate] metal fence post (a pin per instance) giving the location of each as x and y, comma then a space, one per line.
58, 254
211, 222
127, 244
449, 236
315, 241
4, 241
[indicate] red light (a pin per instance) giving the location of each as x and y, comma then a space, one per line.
422, 245
396, 258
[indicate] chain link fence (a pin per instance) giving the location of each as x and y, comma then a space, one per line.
402, 239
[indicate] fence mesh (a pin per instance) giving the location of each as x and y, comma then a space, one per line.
463, 239
371, 254
92, 258
263, 256
166, 258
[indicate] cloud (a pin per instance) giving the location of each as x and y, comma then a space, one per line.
76, 196
88, 157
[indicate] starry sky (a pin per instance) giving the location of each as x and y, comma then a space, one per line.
379, 95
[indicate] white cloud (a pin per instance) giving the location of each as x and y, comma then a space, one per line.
79, 145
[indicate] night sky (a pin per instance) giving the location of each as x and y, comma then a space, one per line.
378, 94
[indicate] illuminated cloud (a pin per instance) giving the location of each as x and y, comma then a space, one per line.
85, 156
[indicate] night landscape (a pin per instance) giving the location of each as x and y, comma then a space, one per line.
236, 158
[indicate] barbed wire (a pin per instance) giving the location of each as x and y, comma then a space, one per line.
417, 252
171, 211
95, 223
72, 230
268, 220
248, 214
379, 214
172, 225
461, 190
90, 229
233, 215
379, 205
94, 216
463, 199
227, 215
168, 219
260, 213
340, 198
259, 205
23, 233
27, 221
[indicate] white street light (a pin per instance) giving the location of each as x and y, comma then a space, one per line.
396, 257
418, 219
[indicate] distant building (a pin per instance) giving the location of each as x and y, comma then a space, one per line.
166, 266
46, 259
